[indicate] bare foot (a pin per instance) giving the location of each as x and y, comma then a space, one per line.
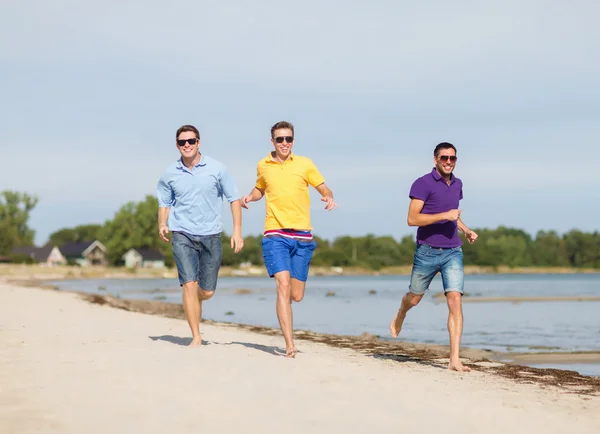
458, 366
396, 324
290, 353
196, 342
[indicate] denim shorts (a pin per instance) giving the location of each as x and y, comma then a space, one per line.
198, 258
429, 261
288, 254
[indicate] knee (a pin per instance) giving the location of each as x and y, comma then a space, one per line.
454, 300
284, 289
190, 286
205, 295
413, 299
297, 297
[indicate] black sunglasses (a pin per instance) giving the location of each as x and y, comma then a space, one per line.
182, 142
288, 139
445, 158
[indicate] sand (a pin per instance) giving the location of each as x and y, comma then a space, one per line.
70, 366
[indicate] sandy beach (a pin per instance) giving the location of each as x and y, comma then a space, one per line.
71, 366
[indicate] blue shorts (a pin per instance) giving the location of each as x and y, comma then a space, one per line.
428, 261
198, 258
288, 254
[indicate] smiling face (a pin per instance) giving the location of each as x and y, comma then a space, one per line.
188, 144
445, 161
283, 141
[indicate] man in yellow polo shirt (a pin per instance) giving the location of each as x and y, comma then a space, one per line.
287, 243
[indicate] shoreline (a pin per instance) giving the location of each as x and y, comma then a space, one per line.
41, 272
73, 363
365, 341
175, 310
503, 364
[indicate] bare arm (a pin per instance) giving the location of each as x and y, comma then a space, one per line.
324, 190
471, 235
236, 213
255, 195
237, 242
163, 229
416, 218
327, 196
462, 227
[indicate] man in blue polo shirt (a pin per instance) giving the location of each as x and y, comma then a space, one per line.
190, 196
434, 200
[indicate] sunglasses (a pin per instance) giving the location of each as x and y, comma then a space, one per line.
182, 142
445, 158
288, 139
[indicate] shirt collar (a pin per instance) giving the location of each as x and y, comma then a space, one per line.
271, 157
439, 177
200, 163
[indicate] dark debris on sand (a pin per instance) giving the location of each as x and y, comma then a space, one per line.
569, 381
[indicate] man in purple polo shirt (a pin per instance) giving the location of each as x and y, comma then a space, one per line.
434, 200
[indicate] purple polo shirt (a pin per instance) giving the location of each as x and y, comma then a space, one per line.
438, 197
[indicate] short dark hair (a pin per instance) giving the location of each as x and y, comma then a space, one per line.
443, 145
186, 128
282, 125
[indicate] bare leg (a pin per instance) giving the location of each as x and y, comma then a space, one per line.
284, 310
409, 301
296, 294
204, 295
193, 310
455, 326
297, 289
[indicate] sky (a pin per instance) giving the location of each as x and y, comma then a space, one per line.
93, 92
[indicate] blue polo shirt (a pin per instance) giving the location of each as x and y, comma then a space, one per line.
438, 197
195, 197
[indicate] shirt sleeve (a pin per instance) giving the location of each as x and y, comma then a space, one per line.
164, 193
313, 175
419, 190
261, 184
228, 186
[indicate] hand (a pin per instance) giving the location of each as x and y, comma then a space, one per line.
453, 215
237, 242
245, 200
471, 236
163, 230
330, 203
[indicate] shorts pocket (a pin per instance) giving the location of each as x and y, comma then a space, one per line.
423, 250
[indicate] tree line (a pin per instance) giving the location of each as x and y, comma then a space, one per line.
134, 226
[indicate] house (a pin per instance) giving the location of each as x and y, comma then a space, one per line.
144, 258
85, 253
48, 255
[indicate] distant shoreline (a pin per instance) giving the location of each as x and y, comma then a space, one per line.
41, 272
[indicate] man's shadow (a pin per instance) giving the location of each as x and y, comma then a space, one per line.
275, 351
402, 358
184, 342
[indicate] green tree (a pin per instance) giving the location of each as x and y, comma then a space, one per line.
500, 246
549, 250
406, 249
583, 249
134, 226
252, 251
15, 209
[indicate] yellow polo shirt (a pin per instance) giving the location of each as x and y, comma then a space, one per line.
286, 191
